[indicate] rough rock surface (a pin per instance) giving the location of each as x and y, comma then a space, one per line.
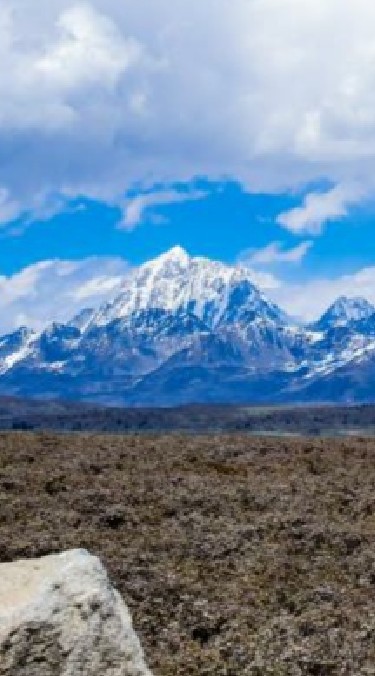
59, 616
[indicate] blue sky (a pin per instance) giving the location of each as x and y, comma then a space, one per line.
223, 224
243, 134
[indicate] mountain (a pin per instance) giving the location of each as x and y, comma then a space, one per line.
344, 311
187, 329
14, 348
217, 294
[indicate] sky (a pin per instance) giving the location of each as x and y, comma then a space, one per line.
242, 130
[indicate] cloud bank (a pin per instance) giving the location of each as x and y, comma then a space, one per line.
100, 97
55, 290
308, 300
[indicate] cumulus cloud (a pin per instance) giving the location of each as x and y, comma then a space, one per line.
50, 85
135, 208
55, 290
274, 253
88, 49
100, 97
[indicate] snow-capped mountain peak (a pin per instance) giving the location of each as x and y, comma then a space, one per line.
212, 291
187, 329
177, 255
346, 310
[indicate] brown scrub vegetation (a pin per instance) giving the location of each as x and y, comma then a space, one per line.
238, 555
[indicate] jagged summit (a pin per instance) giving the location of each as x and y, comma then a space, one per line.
176, 254
175, 281
169, 262
346, 309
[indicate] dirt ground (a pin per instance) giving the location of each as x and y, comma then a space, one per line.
237, 555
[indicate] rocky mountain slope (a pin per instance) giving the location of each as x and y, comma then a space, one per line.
190, 329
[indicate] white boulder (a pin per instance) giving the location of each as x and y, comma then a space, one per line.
60, 616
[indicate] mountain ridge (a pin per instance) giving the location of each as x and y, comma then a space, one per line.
190, 330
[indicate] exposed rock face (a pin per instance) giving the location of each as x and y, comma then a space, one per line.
59, 616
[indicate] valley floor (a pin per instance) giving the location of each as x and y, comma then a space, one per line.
238, 555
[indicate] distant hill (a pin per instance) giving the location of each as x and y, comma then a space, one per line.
31, 415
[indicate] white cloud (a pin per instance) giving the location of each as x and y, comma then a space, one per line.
88, 49
310, 299
55, 290
135, 208
318, 208
265, 281
68, 73
98, 288
9, 209
98, 98
274, 253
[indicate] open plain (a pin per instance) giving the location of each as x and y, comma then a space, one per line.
237, 555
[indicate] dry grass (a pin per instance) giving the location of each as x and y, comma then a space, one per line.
237, 555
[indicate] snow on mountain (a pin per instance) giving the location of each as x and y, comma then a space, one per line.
345, 310
139, 342
194, 327
212, 291
15, 347
83, 319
